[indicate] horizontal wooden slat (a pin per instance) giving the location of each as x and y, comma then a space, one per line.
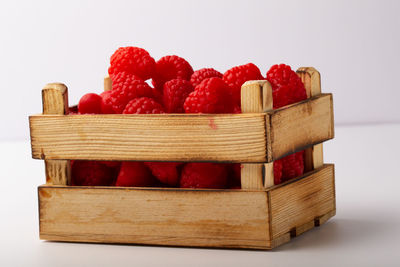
172, 137
300, 125
299, 202
209, 218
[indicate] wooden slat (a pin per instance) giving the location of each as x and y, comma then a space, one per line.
107, 83
269, 174
313, 156
256, 97
252, 176
297, 126
297, 203
209, 218
172, 137
55, 101
58, 172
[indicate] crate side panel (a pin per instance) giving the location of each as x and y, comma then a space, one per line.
230, 137
302, 201
301, 125
159, 217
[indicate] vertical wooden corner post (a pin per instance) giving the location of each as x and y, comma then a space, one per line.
55, 101
256, 97
311, 78
107, 83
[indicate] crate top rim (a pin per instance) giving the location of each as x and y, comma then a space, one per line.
270, 112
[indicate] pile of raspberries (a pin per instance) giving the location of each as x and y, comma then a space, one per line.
176, 88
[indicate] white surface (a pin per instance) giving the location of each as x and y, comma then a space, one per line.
354, 44
365, 231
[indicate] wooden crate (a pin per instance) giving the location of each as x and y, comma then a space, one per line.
261, 215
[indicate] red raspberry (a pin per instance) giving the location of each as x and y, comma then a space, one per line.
143, 105
169, 68
287, 87
134, 174
73, 110
90, 104
236, 76
175, 92
133, 60
237, 109
210, 96
234, 174
125, 88
106, 105
278, 171
293, 165
204, 175
91, 173
165, 172
199, 75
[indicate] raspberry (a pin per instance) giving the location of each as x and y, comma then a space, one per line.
143, 105
204, 175
73, 110
175, 92
238, 75
210, 96
234, 174
293, 165
169, 68
106, 106
237, 109
134, 174
199, 75
90, 104
91, 173
287, 87
278, 171
125, 88
133, 60
165, 172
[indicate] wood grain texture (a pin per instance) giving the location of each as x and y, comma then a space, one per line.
107, 83
269, 174
296, 203
172, 137
58, 172
55, 101
205, 218
295, 127
313, 156
256, 97
252, 176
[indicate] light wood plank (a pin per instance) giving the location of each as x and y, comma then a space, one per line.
172, 137
55, 101
313, 156
252, 176
295, 127
269, 174
298, 202
58, 172
256, 97
209, 218
107, 83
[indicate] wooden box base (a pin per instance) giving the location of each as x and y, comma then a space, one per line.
256, 219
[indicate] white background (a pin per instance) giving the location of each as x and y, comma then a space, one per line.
354, 44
